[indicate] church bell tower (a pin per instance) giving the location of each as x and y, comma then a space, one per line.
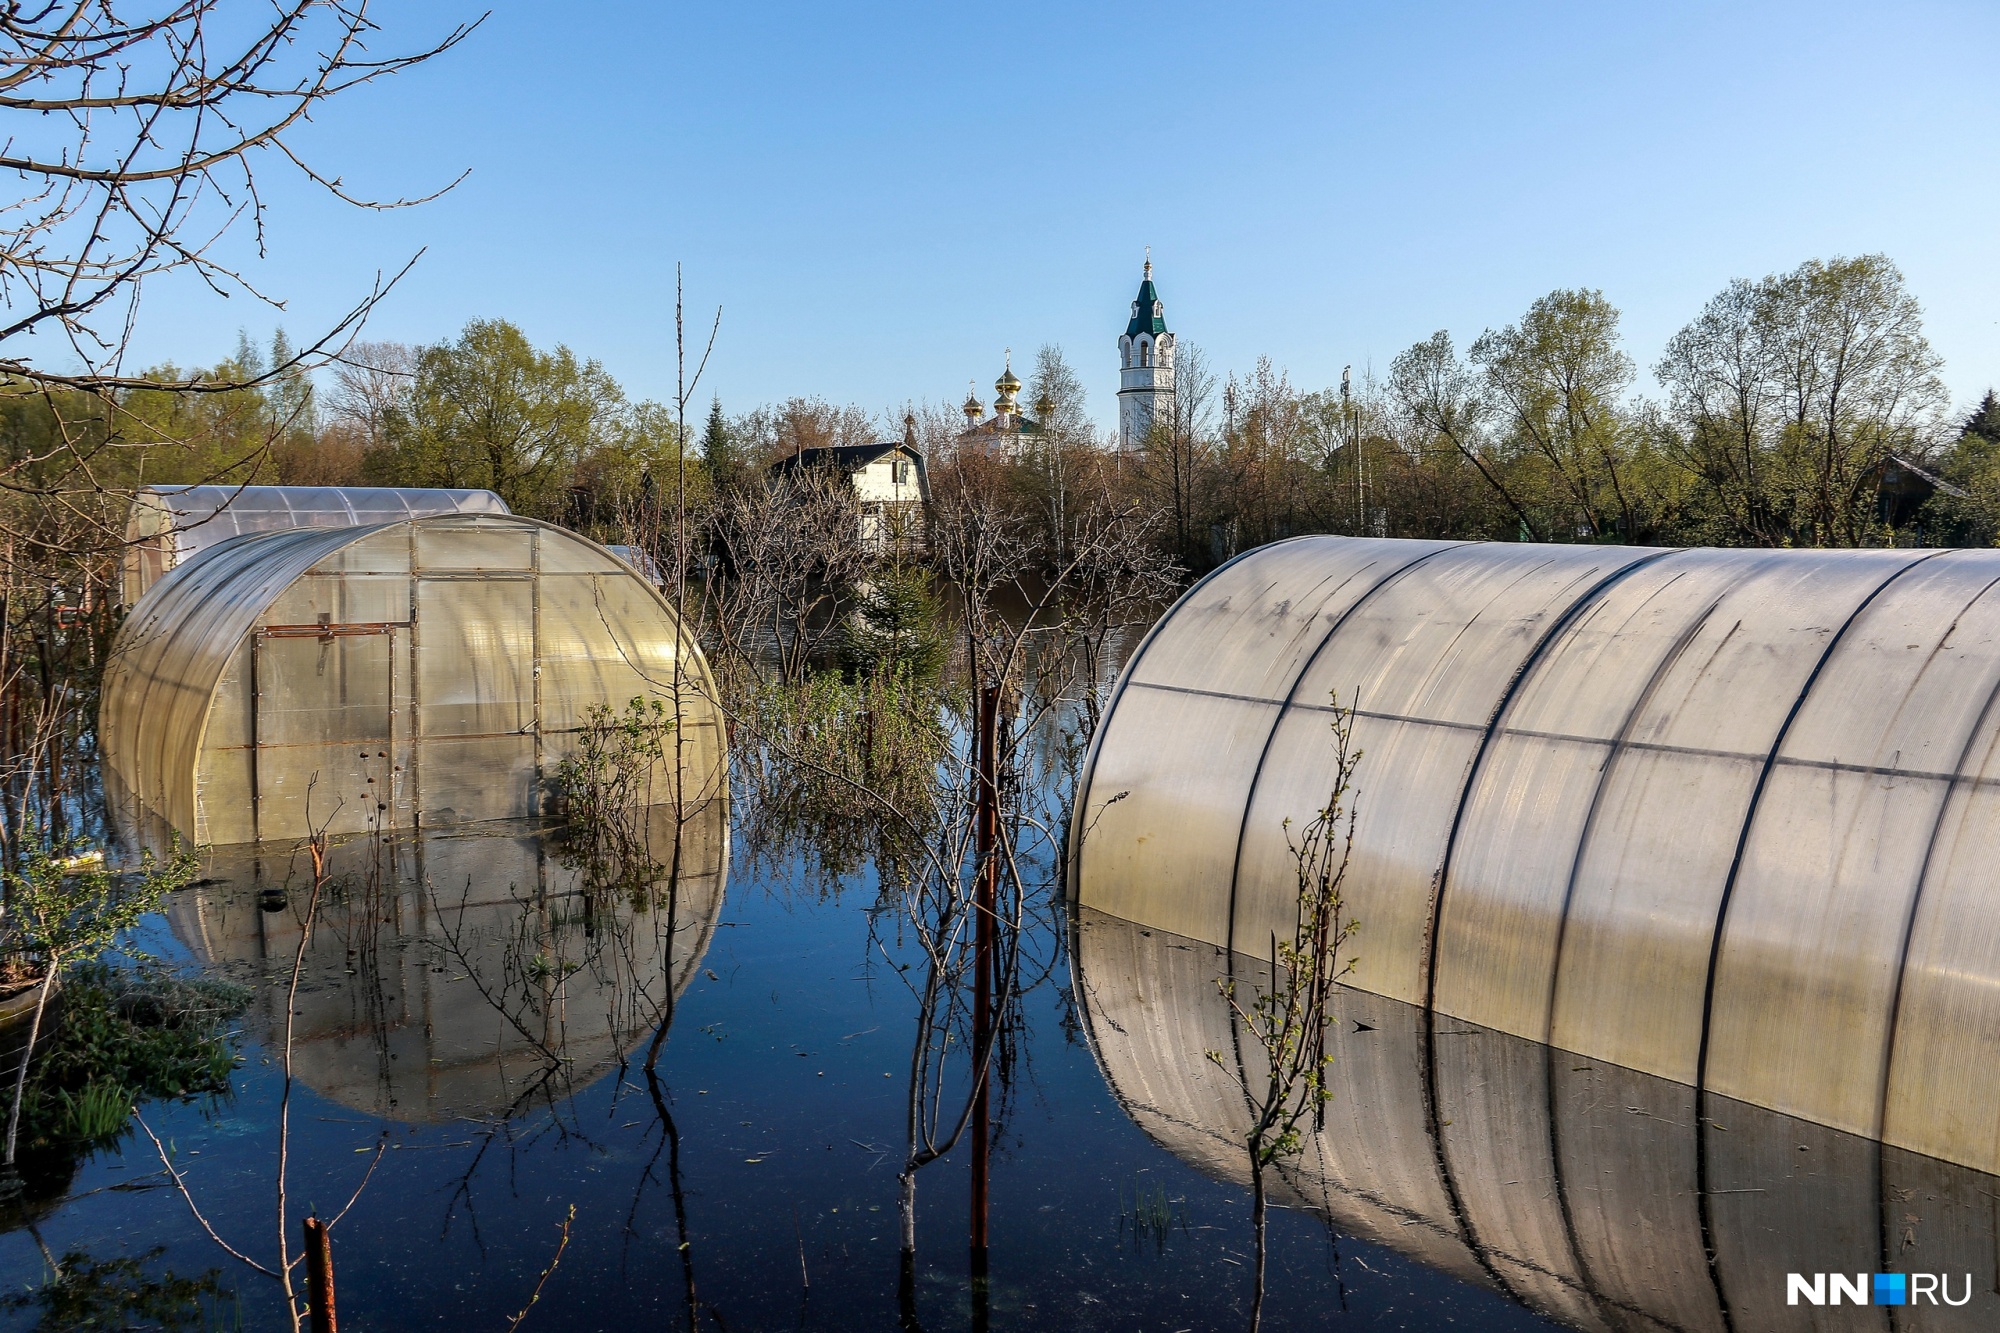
1145, 367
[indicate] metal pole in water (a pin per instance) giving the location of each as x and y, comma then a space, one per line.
987, 832
319, 1276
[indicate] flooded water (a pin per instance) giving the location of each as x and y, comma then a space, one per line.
424, 1022
474, 1011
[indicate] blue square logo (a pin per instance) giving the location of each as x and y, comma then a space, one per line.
1891, 1289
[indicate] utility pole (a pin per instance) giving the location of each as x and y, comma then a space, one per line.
1353, 448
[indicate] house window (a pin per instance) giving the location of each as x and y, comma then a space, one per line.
902, 473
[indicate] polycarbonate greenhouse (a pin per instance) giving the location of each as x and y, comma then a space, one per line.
1731, 818
170, 525
414, 674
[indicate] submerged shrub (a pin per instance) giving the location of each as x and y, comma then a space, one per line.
126, 1034
622, 763
849, 767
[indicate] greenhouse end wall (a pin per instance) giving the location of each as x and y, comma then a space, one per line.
1724, 817
423, 673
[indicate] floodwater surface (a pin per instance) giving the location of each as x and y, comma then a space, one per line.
470, 1022
455, 1011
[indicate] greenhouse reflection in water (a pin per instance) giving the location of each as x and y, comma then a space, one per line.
1587, 1192
469, 972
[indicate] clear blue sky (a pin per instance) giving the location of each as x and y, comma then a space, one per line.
882, 197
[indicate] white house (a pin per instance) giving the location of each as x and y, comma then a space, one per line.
889, 480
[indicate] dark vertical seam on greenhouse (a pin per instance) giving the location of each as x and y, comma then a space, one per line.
1618, 747
1250, 793
1577, 606
1078, 815
1701, 1181
1277, 720
1435, 1124
1550, 1055
1756, 798
1965, 754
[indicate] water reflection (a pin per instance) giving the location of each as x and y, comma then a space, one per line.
470, 972
1587, 1192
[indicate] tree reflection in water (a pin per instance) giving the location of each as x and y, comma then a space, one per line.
472, 975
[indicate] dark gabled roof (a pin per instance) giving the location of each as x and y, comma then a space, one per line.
851, 458
848, 457
1926, 476
1143, 318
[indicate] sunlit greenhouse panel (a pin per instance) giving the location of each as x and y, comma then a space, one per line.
420, 673
1725, 817
171, 525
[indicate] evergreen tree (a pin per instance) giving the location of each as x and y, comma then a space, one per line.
718, 450
248, 363
290, 394
1985, 422
897, 627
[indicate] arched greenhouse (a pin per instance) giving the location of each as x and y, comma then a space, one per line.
171, 525
1731, 818
413, 674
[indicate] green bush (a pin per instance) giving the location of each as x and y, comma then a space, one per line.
124, 1034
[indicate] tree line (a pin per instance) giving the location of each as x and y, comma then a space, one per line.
1782, 406
1790, 407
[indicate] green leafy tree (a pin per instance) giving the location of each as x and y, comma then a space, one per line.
490, 410
1441, 406
1788, 396
1557, 383
64, 910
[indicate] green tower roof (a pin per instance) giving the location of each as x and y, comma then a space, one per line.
1148, 315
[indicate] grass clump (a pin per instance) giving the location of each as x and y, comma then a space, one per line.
125, 1034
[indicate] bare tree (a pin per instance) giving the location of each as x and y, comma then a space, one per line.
1180, 449
1063, 444
788, 428
787, 556
138, 143
370, 381
1440, 396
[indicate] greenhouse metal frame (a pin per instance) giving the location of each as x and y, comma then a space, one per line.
1731, 818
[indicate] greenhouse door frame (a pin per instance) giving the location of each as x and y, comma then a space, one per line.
325, 630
